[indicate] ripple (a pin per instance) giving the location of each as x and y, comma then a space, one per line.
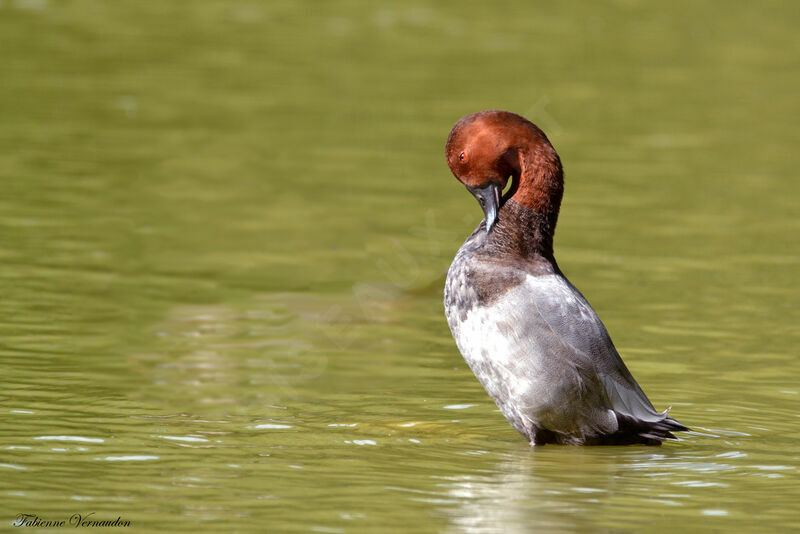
12, 466
715, 512
588, 490
458, 406
70, 438
131, 458
700, 484
362, 442
732, 454
773, 467
184, 438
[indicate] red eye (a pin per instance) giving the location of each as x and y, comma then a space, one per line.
462, 157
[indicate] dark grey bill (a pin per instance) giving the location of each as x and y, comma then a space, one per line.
489, 198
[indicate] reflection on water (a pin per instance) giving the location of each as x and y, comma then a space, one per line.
206, 352
224, 240
598, 488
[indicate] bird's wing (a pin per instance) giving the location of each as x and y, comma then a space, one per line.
577, 334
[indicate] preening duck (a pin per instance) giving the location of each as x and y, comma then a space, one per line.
531, 338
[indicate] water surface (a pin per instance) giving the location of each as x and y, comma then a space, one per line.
225, 228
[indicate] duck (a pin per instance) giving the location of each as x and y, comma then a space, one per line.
530, 337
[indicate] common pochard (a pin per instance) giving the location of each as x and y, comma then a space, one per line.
531, 338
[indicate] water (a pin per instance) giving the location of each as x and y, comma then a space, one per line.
225, 228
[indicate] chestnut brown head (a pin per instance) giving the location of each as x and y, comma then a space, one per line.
485, 149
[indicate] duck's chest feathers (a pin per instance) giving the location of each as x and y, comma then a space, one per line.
481, 275
469, 286
488, 296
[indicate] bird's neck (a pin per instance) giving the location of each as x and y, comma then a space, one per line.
529, 215
538, 179
521, 231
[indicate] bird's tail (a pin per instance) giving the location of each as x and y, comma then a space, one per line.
635, 430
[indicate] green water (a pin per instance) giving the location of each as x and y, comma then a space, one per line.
224, 227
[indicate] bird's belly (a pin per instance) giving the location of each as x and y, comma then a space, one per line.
515, 359
516, 377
